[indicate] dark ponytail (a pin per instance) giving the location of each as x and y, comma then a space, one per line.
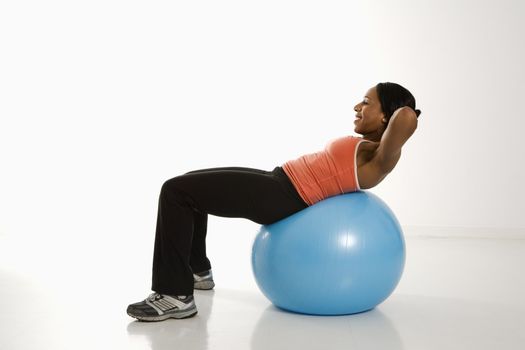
393, 96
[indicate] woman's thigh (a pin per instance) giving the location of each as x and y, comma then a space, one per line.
254, 194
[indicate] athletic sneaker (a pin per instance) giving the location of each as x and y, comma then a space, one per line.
203, 280
159, 307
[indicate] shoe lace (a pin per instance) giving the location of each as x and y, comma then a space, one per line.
154, 296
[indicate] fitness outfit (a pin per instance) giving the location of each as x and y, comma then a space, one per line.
258, 195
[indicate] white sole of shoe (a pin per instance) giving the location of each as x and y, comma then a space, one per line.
179, 315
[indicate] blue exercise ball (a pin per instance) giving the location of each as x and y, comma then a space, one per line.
342, 255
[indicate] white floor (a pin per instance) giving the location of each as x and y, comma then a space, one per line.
454, 294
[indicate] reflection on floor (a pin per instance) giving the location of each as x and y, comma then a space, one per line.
454, 294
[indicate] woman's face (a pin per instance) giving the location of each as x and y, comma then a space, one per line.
369, 115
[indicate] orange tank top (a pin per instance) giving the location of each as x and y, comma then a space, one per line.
327, 173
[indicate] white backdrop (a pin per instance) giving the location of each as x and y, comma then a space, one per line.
102, 101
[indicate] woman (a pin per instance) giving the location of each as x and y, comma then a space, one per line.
386, 118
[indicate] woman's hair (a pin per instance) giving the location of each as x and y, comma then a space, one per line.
393, 96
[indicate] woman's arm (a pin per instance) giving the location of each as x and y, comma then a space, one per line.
402, 125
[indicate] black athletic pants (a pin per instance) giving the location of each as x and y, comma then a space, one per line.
185, 202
